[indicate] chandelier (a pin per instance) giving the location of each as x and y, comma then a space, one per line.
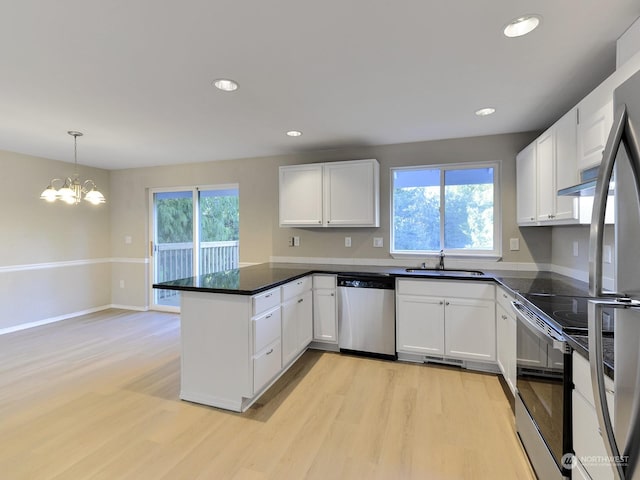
72, 190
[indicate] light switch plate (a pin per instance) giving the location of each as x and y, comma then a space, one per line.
377, 242
296, 241
514, 244
128, 240
347, 241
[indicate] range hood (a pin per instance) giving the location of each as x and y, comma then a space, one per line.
587, 185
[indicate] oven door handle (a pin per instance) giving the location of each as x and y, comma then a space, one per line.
558, 343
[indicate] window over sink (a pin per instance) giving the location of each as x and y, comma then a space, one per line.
454, 208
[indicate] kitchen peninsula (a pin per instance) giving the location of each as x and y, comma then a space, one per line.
241, 329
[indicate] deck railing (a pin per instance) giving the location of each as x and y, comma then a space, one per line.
175, 260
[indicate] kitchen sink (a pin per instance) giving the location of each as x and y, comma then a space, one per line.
446, 271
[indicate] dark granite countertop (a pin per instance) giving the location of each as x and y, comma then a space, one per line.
580, 343
258, 278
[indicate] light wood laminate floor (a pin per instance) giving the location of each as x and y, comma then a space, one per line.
96, 397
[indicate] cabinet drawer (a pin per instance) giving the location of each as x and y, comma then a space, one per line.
587, 440
296, 288
447, 288
266, 365
504, 299
266, 329
324, 281
582, 380
265, 301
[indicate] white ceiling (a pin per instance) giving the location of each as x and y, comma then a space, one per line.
136, 75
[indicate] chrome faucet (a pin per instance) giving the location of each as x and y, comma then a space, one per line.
441, 263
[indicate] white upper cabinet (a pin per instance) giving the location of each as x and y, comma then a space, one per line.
566, 171
350, 196
338, 194
545, 166
546, 159
595, 118
526, 185
301, 195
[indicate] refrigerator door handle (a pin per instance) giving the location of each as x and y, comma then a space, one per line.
596, 361
596, 235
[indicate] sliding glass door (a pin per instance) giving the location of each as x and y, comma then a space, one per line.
194, 231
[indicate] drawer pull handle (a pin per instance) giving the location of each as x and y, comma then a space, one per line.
301, 300
270, 352
269, 316
267, 295
504, 295
504, 317
300, 282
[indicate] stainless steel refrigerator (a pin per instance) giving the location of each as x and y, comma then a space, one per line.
620, 163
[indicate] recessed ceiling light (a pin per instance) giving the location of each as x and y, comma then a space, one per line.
483, 112
294, 133
225, 84
522, 25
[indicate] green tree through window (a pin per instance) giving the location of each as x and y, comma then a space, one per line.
449, 208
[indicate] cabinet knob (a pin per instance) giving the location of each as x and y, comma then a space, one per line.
531, 218
447, 303
333, 294
319, 221
441, 303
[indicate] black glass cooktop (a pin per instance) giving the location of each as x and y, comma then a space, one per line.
569, 313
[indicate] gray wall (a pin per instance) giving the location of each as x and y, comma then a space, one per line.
60, 260
54, 259
260, 235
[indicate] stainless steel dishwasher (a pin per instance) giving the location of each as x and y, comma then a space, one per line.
367, 315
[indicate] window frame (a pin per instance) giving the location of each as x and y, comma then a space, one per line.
494, 254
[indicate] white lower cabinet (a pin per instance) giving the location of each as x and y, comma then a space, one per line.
587, 440
325, 309
235, 346
297, 318
420, 324
506, 337
446, 318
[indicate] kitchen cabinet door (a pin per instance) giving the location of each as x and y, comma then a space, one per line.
301, 195
526, 184
297, 326
351, 194
470, 329
325, 327
420, 325
594, 123
305, 320
545, 174
566, 165
506, 346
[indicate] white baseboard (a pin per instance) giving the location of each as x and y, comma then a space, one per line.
59, 318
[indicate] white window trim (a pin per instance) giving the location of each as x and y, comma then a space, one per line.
495, 254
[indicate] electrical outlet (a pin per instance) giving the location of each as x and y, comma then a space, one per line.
514, 244
575, 249
296, 241
121, 283
607, 254
347, 241
377, 242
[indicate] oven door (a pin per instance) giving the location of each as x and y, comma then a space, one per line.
543, 380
